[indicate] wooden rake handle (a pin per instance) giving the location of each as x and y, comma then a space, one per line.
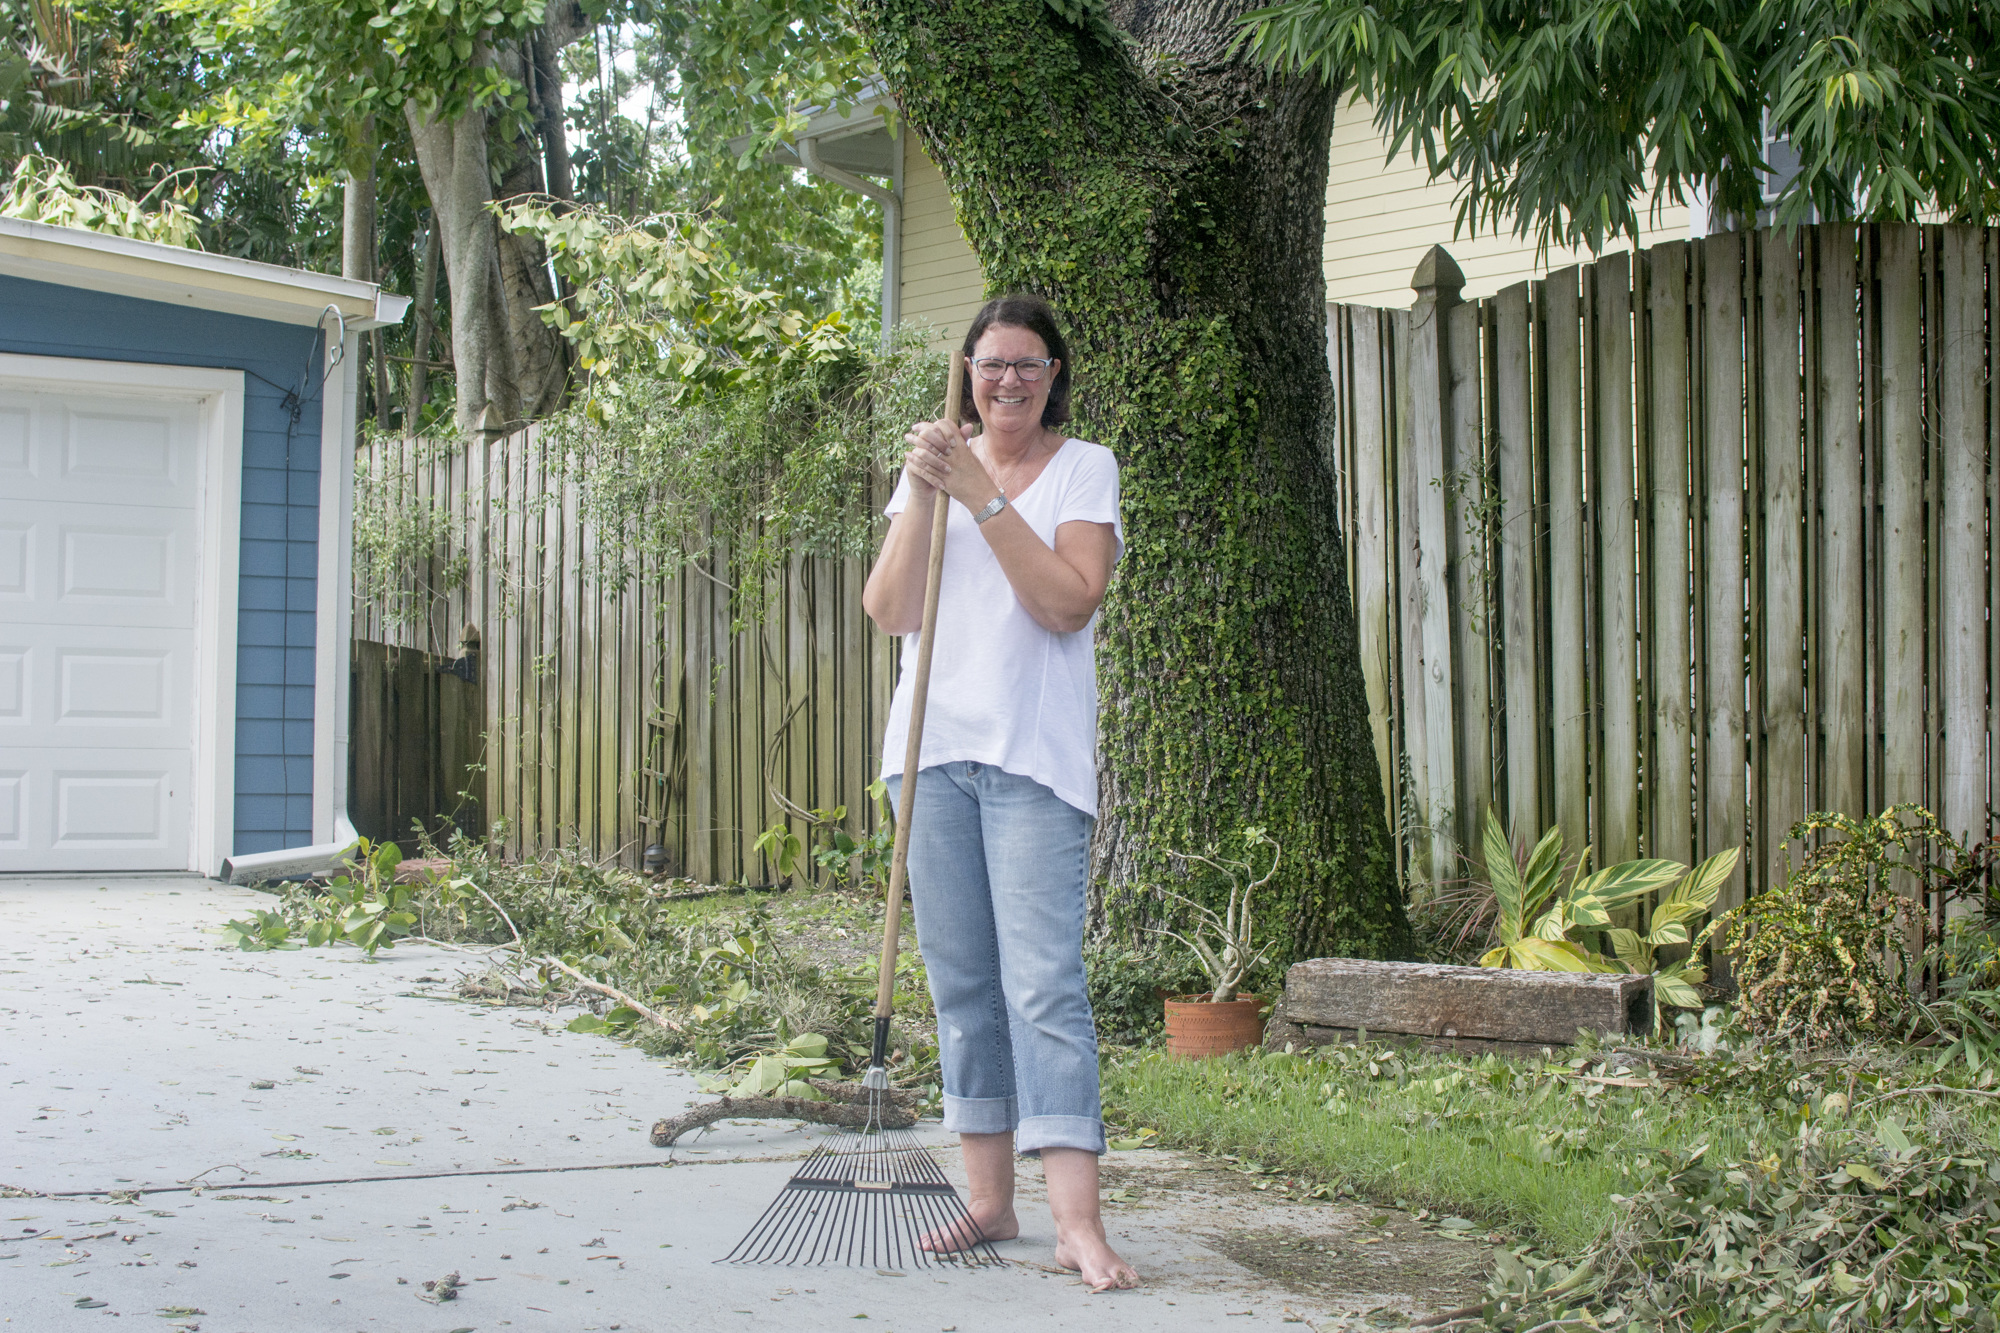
906, 799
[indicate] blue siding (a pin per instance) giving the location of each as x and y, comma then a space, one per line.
280, 550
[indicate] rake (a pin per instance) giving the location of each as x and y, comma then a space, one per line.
863, 1198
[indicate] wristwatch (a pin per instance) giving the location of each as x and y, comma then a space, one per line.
993, 506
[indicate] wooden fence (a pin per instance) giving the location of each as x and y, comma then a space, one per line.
617, 716
1673, 548
418, 739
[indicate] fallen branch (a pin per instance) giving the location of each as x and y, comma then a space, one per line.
1928, 1087
1450, 1316
613, 992
841, 1115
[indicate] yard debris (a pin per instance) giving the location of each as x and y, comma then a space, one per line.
845, 1107
439, 1290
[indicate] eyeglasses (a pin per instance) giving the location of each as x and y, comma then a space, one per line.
1029, 368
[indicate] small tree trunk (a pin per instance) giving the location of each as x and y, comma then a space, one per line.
452, 156
423, 326
549, 116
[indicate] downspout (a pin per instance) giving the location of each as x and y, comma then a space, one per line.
892, 226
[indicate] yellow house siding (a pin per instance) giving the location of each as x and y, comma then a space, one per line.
941, 282
1381, 219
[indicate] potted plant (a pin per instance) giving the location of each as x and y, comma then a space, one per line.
1222, 1019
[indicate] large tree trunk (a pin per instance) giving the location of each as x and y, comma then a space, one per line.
512, 367
1169, 200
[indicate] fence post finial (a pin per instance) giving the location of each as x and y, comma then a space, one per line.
1438, 275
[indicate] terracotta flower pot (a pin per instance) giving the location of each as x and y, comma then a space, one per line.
1198, 1027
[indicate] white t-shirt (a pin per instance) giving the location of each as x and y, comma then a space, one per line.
1004, 691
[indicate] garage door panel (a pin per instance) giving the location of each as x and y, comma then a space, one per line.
16, 563
73, 568
99, 532
116, 808
131, 563
13, 810
123, 446
16, 422
99, 686
115, 449
67, 813
13, 689
118, 689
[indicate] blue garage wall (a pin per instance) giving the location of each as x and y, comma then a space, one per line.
280, 542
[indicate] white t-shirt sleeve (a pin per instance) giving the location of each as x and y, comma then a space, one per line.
899, 501
1092, 493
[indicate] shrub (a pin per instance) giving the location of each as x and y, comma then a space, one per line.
1828, 956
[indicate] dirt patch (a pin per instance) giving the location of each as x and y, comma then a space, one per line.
1321, 1260
1414, 1270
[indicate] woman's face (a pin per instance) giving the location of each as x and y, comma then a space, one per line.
1009, 404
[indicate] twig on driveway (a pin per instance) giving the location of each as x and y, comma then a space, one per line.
635, 1006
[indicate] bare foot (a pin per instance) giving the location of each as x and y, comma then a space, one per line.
984, 1222
1089, 1255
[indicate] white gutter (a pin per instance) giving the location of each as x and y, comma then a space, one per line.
151, 271
892, 224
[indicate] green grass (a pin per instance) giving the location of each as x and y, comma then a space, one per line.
1526, 1145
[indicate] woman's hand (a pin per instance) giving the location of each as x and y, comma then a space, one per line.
940, 460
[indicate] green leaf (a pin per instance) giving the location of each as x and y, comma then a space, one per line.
1538, 955
1705, 881
1616, 885
1625, 944
1543, 875
1866, 1174
1672, 989
1506, 879
1889, 1130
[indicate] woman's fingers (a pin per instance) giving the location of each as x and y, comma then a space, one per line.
925, 469
938, 436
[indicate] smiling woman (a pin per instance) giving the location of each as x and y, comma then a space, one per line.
1006, 792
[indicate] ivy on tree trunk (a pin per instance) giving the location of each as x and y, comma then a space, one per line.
1169, 199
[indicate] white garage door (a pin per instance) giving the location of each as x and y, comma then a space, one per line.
99, 528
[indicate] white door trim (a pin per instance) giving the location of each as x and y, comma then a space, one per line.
219, 396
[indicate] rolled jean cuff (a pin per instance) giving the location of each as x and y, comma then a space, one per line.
978, 1115
1059, 1131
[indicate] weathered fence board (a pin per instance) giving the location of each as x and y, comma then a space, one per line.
1720, 573
1569, 534
621, 714
1720, 544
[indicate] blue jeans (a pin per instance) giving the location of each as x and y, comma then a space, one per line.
998, 872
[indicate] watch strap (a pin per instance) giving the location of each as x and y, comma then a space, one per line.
992, 507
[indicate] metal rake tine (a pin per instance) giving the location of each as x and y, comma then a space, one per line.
755, 1239
781, 1244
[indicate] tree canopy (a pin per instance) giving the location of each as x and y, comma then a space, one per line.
1559, 119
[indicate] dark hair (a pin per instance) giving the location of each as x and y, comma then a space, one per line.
1022, 310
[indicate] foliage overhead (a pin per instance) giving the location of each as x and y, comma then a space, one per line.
1558, 117
661, 296
42, 190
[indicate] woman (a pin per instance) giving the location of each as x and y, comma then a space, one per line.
1007, 785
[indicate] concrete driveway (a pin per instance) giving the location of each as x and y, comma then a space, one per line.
246, 1143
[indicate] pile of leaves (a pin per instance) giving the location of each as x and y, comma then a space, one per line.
1877, 1210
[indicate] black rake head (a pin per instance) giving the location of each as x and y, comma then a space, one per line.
864, 1200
